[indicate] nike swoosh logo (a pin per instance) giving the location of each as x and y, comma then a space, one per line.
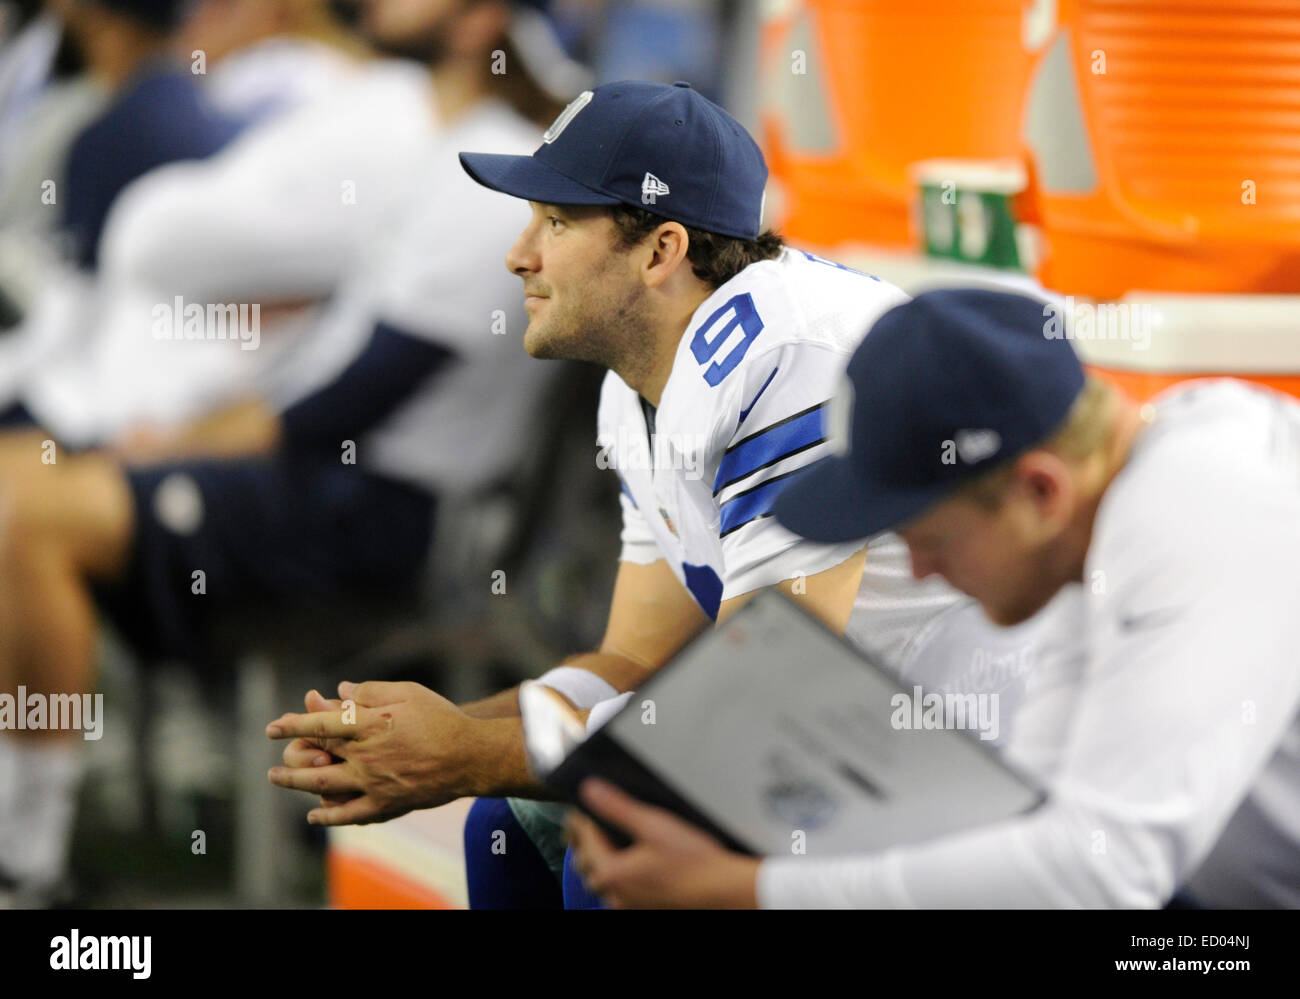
753, 402
1149, 619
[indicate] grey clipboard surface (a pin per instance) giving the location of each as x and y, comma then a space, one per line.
780, 732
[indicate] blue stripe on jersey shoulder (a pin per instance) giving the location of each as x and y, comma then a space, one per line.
768, 446
752, 503
627, 492
758, 395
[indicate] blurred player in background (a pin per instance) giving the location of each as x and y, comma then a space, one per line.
406, 386
1179, 520
645, 255
246, 60
260, 57
78, 364
156, 114
46, 98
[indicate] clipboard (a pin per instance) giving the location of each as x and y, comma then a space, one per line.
777, 736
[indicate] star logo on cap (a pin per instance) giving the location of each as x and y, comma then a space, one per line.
566, 116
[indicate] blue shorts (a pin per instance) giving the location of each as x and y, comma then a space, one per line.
291, 532
576, 893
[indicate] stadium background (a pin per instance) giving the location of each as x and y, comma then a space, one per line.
1113, 151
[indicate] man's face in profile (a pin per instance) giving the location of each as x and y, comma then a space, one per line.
996, 555
582, 296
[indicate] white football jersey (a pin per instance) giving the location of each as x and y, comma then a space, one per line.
742, 411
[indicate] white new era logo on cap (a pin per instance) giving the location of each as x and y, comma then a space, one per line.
975, 445
651, 188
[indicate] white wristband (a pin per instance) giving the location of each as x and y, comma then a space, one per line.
581, 686
606, 710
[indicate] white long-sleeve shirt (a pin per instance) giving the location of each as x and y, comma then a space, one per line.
286, 212
1184, 702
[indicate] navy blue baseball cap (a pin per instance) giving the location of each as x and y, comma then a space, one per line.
663, 148
942, 389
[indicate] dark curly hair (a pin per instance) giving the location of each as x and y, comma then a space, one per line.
715, 259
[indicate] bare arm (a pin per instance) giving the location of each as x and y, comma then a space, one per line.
828, 596
246, 428
652, 616
409, 748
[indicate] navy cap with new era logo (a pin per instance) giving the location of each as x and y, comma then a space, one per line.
663, 148
942, 389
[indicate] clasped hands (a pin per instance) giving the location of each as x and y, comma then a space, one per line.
378, 751
383, 749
